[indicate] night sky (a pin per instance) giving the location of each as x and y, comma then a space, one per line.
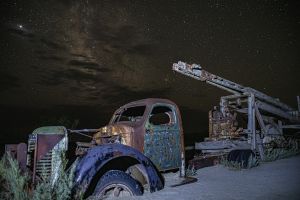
83, 59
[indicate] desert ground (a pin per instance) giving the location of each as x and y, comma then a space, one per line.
272, 180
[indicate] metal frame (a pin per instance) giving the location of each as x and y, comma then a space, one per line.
256, 105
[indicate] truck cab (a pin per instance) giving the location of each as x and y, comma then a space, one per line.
142, 139
152, 126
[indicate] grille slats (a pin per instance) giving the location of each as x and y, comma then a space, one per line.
44, 165
49, 164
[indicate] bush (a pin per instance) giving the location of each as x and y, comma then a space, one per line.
233, 165
15, 184
240, 159
292, 149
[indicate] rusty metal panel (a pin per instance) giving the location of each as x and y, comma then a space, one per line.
11, 149
57, 130
45, 147
18, 152
45, 143
163, 144
118, 133
43, 153
221, 126
205, 161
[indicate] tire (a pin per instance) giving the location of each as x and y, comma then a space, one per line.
115, 183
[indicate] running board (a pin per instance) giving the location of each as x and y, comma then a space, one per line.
184, 181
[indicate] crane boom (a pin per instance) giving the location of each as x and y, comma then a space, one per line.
266, 116
195, 71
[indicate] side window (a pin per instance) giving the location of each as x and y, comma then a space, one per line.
161, 115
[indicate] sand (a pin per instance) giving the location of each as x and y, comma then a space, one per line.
273, 180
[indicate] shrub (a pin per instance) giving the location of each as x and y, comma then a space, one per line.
15, 184
233, 165
291, 149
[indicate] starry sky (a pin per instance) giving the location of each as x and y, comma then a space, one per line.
82, 59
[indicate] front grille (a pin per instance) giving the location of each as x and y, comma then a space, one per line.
44, 166
49, 166
31, 150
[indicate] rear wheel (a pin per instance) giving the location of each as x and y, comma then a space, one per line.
115, 183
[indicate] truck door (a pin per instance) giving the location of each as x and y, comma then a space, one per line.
162, 137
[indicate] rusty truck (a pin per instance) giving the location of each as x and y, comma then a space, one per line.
125, 157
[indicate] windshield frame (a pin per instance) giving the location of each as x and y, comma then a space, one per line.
131, 119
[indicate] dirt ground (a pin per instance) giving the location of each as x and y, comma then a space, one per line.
274, 180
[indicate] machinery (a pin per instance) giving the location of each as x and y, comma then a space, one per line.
267, 117
145, 137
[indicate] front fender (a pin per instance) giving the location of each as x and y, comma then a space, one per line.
96, 157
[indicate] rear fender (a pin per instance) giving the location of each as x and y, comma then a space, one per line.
97, 157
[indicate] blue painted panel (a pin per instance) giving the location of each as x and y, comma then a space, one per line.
163, 148
162, 142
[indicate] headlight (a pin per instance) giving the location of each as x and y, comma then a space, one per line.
113, 134
112, 139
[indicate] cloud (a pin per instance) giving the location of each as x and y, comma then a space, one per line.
88, 65
83, 63
52, 44
51, 57
142, 49
115, 93
58, 77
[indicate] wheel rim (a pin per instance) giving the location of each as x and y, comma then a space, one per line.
116, 190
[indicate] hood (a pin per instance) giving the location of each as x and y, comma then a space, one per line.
115, 133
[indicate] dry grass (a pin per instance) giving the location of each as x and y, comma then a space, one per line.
292, 149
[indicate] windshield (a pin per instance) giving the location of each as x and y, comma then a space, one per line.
132, 114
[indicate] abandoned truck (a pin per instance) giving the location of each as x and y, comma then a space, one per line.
123, 158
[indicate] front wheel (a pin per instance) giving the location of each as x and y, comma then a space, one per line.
115, 183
